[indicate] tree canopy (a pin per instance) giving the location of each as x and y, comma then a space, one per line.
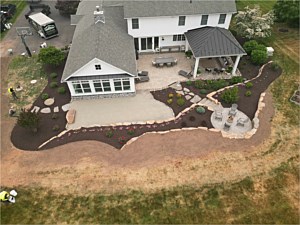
251, 23
51, 56
67, 7
287, 11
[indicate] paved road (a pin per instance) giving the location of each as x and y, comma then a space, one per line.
13, 41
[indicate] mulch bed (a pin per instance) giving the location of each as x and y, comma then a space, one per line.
248, 105
27, 140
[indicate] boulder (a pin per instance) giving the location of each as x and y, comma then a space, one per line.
71, 116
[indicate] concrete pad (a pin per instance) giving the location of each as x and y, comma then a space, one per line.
142, 107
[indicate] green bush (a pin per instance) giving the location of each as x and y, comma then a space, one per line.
249, 85
275, 66
249, 46
61, 90
53, 84
169, 101
259, 57
248, 93
218, 84
200, 110
229, 69
236, 80
53, 75
203, 91
131, 131
230, 95
109, 134
189, 83
199, 84
261, 47
180, 101
28, 120
51, 56
44, 96
188, 53
55, 127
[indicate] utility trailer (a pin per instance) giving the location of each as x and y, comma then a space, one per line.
44, 25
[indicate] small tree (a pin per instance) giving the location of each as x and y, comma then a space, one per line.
287, 11
67, 7
28, 120
251, 23
249, 46
51, 55
231, 95
259, 57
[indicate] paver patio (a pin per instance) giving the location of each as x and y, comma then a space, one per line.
140, 108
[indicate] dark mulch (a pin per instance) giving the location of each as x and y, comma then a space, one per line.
25, 139
163, 96
248, 105
247, 69
190, 119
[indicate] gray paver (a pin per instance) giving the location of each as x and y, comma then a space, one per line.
187, 97
46, 110
195, 99
186, 90
65, 107
56, 109
180, 92
35, 109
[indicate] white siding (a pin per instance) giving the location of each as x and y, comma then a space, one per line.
163, 26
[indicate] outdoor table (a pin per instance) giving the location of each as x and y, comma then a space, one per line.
164, 60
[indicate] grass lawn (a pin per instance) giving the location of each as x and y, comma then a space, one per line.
20, 4
252, 201
264, 5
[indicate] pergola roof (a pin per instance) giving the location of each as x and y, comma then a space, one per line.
213, 42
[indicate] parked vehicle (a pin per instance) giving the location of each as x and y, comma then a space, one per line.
8, 10
44, 25
38, 8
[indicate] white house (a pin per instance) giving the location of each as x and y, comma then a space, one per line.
102, 59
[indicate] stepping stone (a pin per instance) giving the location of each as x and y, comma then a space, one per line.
195, 99
65, 107
191, 94
187, 97
203, 100
35, 109
176, 86
56, 109
46, 110
186, 90
180, 92
49, 101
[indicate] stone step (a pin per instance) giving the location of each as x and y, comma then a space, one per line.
202, 101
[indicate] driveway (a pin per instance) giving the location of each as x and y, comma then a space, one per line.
140, 108
13, 41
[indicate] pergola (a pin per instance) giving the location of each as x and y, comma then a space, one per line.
212, 42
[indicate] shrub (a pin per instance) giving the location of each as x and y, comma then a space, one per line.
183, 124
61, 90
203, 91
180, 101
275, 66
230, 95
44, 96
189, 83
249, 46
53, 84
249, 85
236, 80
259, 57
261, 47
248, 93
199, 84
169, 101
178, 95
218, 84
188, 53
229, 69
192, 118
28, 120
51, 56
200, 110
171, 95
109, 134
53, 75
131, 131
54, 116
55, 127
121, 140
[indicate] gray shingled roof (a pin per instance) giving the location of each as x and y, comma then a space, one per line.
144, 8
108, 42
213, 42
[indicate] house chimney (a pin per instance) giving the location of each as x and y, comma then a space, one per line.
99, 15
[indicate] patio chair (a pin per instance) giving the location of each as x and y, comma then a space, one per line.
184, 73
226, 126
233, 110
142, 77
242, 121
169, 64
175, 61
161, 65
208, 70
218, 115
154, 63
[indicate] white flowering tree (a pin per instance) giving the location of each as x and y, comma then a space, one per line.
252, 24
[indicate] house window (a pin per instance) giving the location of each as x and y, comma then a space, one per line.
98, 85
81, 87
222, 18
181, 21
106, 85
98, 67
204, 19
178, 37
122, 84
135, 23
